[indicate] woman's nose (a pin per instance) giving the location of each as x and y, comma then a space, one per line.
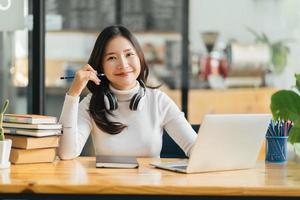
123, 62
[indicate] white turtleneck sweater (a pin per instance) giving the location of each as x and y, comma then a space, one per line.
142, 137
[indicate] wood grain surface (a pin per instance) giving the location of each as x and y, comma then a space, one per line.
79, 176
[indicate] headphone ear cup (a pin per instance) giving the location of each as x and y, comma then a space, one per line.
132, 102
110, 101
140, 103
136, 102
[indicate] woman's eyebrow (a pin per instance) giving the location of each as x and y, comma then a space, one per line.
127, 50
109, 53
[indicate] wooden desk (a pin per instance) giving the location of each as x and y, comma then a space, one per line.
80, 177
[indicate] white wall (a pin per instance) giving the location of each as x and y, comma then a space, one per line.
277, 18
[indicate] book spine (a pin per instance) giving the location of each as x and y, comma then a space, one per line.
21, 156
17, 120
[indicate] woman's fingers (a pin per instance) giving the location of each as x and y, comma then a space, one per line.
93, 77
82, 76
89, 68
90, 74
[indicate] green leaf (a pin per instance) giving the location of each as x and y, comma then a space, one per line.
2, 134
258, 38
279, 57
294, 135
4, 107
253, 32
265, 38
297, 76
285, 104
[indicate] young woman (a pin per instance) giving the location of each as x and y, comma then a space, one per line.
124, 116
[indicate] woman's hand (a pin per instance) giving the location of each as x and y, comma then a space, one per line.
82, 76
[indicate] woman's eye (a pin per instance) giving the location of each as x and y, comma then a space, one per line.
111, 58
129, 54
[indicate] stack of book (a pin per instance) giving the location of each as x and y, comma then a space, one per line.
34, 137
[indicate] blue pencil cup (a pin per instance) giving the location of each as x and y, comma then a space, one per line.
276, 149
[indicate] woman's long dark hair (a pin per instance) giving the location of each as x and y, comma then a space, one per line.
97, 107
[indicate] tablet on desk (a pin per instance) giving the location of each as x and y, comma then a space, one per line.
116, 162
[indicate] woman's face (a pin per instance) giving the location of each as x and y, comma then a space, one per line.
121, 63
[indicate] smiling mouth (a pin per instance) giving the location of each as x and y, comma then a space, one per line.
123, 74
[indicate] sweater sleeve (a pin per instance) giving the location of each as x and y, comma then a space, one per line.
176, 125
77, 126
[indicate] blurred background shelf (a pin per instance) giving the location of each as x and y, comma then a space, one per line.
237, 100
73, 25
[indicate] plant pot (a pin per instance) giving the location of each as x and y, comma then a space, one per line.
5, 147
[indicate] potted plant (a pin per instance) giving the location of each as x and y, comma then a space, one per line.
5, 144
285, 105
279, 51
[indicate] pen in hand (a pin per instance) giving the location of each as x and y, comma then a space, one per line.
71, 77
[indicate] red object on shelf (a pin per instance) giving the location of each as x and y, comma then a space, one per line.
210, 65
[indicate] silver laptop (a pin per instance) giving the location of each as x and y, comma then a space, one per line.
224, 142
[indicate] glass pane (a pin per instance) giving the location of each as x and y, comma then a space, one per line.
14, 55
73, 26
157, 25
72, 29
242, 52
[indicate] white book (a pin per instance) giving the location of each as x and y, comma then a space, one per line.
116, 161
31, 126
32, 132
29, 119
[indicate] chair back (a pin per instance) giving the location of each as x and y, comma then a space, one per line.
170, 149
